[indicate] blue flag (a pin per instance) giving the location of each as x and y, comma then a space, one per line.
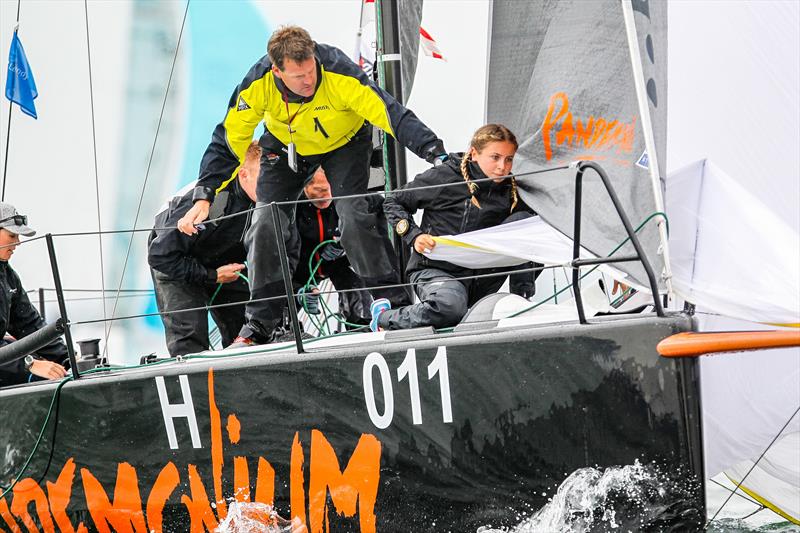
20, 87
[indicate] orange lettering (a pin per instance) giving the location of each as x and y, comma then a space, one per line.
241, 479
265, 482
597, 133
58, 494
297, 496
200, 513
583, 135
7, 518
549, 121
216, 448
162, 489
234, 428
127, 508
355, 488
25, 492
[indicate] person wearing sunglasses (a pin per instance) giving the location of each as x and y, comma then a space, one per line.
18, 317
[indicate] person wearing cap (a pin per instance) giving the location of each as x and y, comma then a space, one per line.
318, 108
18, 317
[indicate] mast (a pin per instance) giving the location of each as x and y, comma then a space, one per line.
390, 78
649, 140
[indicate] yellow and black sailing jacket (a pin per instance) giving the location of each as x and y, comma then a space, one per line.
344, 99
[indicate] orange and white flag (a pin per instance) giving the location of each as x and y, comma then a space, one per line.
429, 45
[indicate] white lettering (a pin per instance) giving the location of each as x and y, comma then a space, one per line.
178, 410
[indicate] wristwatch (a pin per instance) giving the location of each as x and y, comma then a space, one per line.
29, 360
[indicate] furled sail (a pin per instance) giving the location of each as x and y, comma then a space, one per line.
560, 77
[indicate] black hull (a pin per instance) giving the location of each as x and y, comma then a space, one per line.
529, 406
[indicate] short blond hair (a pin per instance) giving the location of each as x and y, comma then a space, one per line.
253, 152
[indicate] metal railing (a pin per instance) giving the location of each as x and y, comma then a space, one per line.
273, 211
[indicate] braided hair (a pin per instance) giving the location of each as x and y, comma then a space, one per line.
481, 138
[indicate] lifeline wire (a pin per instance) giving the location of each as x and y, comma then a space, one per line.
94, 155
288, 202
147, 173
409, 284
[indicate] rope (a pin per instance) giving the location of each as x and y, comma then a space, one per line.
147, 172
94, 156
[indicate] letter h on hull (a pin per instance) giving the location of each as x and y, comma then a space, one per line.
178, 410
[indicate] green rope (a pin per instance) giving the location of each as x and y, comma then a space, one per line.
38, 439
620, 245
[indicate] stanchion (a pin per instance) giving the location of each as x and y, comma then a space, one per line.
287, 276
62, 306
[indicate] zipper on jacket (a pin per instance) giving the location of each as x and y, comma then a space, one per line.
318, 127
465, 217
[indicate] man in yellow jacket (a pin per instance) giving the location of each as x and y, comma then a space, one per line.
318, 108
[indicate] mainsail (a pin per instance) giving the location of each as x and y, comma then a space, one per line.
560, 77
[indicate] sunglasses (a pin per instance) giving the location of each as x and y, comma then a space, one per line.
19, 220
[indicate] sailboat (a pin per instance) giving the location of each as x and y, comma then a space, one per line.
389, 431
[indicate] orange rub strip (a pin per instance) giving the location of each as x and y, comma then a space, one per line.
692, 344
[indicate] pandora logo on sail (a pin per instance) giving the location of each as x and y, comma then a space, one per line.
595, 134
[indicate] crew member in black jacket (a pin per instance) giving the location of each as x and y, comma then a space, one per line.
188, 270
18, 317
450, 210
317, 222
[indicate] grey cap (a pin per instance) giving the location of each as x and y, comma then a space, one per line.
13, 221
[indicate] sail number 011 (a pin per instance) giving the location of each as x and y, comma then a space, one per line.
407, 369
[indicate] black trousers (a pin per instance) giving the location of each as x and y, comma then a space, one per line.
443, 300
347, 169
353, 305
188, 332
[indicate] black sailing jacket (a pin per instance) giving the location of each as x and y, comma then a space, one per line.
195, 258
19, 318
448, 210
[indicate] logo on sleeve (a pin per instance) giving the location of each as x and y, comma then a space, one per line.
243, 106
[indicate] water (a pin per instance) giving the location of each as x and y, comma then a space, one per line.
629, 498
255, 517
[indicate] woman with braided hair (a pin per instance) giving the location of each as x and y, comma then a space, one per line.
478, 204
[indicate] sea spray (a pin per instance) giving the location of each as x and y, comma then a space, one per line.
256, 517
628, 498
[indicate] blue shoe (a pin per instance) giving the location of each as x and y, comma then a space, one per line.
378, 306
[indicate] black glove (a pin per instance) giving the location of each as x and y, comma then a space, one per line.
435, 154
308, 300
332, 251
524, 283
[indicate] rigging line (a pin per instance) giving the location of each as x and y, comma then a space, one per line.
147, 173
8, 129
94, 154
148, 291
295, 295
752, 467
738, 494
289, 202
